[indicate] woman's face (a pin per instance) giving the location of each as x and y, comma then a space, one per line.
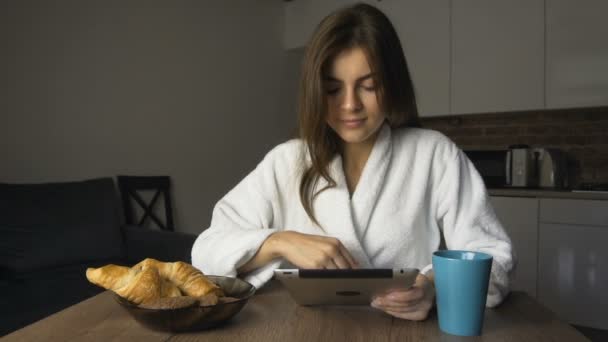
353, 111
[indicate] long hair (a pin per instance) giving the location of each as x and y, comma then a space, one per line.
362, 26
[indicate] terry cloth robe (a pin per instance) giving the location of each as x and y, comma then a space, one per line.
415, 186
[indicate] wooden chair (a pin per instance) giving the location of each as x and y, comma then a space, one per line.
130, 190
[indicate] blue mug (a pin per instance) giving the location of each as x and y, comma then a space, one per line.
461, 284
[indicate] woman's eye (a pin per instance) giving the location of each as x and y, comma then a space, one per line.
368, 87
332, 91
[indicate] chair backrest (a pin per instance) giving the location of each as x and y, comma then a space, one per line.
131, 188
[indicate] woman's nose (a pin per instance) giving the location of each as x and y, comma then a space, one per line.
351, 100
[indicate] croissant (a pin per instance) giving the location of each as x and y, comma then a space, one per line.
109, 277
188, 279
138, 285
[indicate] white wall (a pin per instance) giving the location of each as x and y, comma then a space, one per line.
189, 89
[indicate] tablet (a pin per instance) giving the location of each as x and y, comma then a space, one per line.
343, 286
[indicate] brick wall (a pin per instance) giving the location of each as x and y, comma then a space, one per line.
581, 133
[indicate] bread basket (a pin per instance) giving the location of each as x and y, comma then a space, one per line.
194, 318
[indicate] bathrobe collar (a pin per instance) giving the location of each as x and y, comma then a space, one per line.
372, 180
348, 218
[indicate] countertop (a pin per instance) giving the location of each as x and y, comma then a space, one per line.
540, 193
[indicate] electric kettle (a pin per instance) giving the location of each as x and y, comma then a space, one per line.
521, 161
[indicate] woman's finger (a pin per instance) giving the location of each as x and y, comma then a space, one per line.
341, 262
420, 306
331, 265
400, 310
384, 302
413, 294
413, 316
394, 305
352, 263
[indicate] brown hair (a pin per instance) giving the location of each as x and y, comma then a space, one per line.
365, 27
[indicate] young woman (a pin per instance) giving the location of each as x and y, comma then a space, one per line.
362, 187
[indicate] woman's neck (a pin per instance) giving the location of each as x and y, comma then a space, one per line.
354, 158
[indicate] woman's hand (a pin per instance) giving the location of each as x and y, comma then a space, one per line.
311, 251
413, 304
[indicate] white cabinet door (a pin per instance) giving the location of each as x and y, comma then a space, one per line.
301, 17
573, 260
573, 273
573, 211
519, 216
423, 27
577, 53
497, 55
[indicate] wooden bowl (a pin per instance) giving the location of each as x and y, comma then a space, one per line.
194, 318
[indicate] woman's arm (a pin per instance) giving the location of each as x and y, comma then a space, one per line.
302, 250
267, 252
468, 221
246, 236
243, 220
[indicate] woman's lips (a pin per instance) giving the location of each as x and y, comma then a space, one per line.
353, 123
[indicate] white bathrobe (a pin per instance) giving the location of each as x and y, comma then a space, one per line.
416, 185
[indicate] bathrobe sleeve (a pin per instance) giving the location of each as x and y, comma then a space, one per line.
469, 223
240, 223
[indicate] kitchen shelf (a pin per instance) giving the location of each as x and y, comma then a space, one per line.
540, 193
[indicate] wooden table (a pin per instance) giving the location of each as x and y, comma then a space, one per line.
271, 315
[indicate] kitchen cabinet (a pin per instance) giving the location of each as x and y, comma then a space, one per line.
497, 55
572, 273
480, 56
577, 212
519, 216
424, 30
573, 259
577, 53
562, 254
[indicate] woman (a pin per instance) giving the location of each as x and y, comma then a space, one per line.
361, 187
